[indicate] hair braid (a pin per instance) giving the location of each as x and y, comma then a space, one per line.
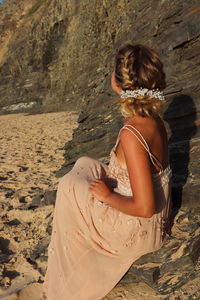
128, 82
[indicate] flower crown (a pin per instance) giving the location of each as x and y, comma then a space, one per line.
155, 93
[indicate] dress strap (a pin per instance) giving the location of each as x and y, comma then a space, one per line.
144, 143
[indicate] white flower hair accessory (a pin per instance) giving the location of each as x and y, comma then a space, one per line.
155, 93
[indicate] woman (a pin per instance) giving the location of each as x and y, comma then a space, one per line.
106, 217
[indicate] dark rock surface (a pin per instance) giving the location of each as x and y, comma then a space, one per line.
60, 54
177, 262
46, 198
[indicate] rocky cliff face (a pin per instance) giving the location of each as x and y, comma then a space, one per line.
59, 55
55, 54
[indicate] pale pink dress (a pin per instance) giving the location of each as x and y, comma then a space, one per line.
93, 244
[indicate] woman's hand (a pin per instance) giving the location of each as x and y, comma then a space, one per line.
99, 189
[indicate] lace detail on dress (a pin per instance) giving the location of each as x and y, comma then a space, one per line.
117, 172
167, 174
120, 174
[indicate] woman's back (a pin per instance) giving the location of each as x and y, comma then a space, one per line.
154, 133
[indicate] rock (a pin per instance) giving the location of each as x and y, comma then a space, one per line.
22, 199
13, 222
40, 249
16, 239
9, 207
46, 198
6, 255
5, 282
11, 274
33, 188
9, 194
2, 178
50, 197
23, 168
49, 229
4, 258
38, 200
49, 225
82, 117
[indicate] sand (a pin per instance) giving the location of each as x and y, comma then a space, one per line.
31, 152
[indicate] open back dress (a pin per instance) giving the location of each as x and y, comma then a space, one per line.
93, 244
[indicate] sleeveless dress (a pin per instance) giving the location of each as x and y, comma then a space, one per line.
93, 244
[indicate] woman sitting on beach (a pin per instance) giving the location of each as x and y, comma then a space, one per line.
108, 216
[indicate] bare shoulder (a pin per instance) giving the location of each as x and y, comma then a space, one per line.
154, 133
148, 127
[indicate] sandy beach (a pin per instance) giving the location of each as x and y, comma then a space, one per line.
31, 152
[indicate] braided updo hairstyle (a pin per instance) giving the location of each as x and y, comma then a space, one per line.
138, 66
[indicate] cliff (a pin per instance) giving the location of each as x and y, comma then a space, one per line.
59, 55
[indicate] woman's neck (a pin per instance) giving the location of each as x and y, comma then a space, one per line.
138, 118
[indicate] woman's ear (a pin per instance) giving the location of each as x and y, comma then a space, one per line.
114, 85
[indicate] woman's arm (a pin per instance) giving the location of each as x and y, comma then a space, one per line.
142, 204
122, 203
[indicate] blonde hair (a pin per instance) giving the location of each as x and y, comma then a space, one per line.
138, 66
